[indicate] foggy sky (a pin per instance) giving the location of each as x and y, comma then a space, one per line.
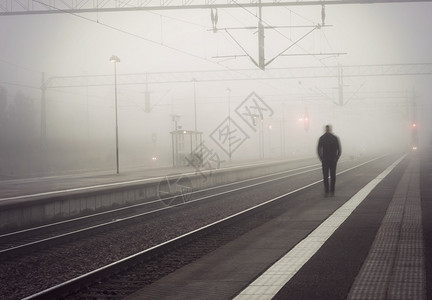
376, 115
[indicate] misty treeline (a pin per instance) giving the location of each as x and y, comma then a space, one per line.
25, 153
17, 119
19, 146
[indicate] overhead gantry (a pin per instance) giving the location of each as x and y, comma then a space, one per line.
26, 7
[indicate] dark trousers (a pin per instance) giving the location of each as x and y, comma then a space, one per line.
329, 167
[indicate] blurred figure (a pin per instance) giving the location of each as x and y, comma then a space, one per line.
329, 151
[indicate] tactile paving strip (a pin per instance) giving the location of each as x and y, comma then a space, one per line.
394, 268
267, 285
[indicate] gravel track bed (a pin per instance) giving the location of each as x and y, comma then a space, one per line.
29, 274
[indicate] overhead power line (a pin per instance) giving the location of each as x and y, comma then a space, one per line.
17, 7
243, 75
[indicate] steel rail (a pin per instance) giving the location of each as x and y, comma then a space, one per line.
113, 268
33, 229
80, 232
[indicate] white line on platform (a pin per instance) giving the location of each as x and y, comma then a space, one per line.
274, 278
121, 183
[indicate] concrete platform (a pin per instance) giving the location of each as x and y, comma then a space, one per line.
36, 201
375, 245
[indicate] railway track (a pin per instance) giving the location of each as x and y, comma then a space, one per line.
24, 241
181, 247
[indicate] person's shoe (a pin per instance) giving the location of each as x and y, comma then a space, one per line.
331, 194
326, 194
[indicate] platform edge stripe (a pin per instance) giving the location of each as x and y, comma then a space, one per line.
298, 256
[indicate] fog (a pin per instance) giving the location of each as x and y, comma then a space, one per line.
188, 69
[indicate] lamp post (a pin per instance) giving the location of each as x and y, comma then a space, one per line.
195, 112
114, 59
228, 90
175, 139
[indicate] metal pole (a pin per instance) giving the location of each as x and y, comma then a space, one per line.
195, 114
176, 144
116, 120
173, 147
283, 132
43, 111
229, 122
195, 110
43, 131
341, 85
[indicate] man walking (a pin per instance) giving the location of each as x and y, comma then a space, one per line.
329, 151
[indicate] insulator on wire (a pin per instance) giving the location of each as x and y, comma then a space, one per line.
323, 14
214, 19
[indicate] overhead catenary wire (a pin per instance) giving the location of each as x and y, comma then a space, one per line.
238, 44
294, 43
151, 41
128, 33
283, 35
276, 87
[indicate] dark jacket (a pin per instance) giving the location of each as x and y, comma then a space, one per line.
329, 148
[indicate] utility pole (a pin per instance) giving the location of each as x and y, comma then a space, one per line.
261, 57
43, 136
43, 111
340, 85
